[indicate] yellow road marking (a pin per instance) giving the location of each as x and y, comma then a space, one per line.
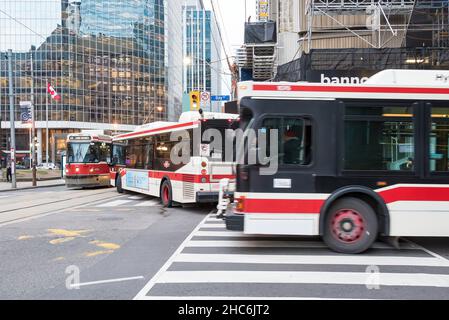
97, 253
25, 237
58, 259
68, 233
105, 245
62, 240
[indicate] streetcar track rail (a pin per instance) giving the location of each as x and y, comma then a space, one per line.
56, 210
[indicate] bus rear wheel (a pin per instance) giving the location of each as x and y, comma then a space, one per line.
166, 194
351, 226
118, 183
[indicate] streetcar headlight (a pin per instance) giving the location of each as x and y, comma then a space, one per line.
91, 170
77, 170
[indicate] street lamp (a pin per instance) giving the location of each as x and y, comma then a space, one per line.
187, 61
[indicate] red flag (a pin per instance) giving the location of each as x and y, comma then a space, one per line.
53, 93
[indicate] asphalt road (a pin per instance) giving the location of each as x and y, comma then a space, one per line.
128, 247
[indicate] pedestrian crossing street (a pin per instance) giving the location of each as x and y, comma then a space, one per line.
131, 201
214, 263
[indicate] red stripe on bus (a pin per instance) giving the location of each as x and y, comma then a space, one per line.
282, 206
415, 194
287, 206
349, 89
84, 169
176, 126
184, 177
222, 176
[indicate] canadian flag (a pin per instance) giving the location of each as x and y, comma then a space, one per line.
53, 93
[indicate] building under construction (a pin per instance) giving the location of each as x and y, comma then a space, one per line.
341, 36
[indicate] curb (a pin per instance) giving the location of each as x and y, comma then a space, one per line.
31, 188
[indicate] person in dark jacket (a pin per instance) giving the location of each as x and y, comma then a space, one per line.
8, 173
292, 147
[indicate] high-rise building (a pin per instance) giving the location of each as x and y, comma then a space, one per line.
201, 50
112, 62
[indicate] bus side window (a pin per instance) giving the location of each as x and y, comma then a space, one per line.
149, 150
439, 140
294, 139
379, 137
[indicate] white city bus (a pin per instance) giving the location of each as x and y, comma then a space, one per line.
369, 159
149, 168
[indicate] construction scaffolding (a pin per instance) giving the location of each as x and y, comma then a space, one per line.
366, 61
258, 53
379, 23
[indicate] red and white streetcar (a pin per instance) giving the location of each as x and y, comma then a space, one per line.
150, 168
354, 161
88, 160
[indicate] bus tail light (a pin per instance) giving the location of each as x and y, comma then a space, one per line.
240, 206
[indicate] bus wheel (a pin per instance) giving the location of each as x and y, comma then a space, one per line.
166, 194
118, 183
350, 226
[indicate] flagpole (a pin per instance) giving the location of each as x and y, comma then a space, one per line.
46, 120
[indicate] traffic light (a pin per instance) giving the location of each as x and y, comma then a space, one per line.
194, 100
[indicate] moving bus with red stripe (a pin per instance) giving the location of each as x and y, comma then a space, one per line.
354, 162
88, 160
151, 168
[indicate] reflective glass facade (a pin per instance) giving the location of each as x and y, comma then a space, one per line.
202, 49
106, 58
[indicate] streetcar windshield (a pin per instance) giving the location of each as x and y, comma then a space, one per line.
93, 152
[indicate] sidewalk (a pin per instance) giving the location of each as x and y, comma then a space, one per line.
6, 186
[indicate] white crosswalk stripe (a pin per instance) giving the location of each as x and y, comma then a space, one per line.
133, 201
287, 267
114, 203
150, 203
272, 244
387, 279
312, 259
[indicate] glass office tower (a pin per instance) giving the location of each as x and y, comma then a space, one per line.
202, 50
106, 58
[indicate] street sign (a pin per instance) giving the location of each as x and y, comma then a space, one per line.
205, 96
13, 160
26, 112
221, 98
205, 100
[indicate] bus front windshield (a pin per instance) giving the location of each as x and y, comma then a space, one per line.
93, 152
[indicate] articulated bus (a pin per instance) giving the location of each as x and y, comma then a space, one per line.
149, 167
354, 162
88, 160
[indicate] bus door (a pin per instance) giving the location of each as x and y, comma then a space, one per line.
433, 204
215, 140
300, 146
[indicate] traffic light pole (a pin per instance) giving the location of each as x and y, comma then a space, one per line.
33, 123
12, 119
